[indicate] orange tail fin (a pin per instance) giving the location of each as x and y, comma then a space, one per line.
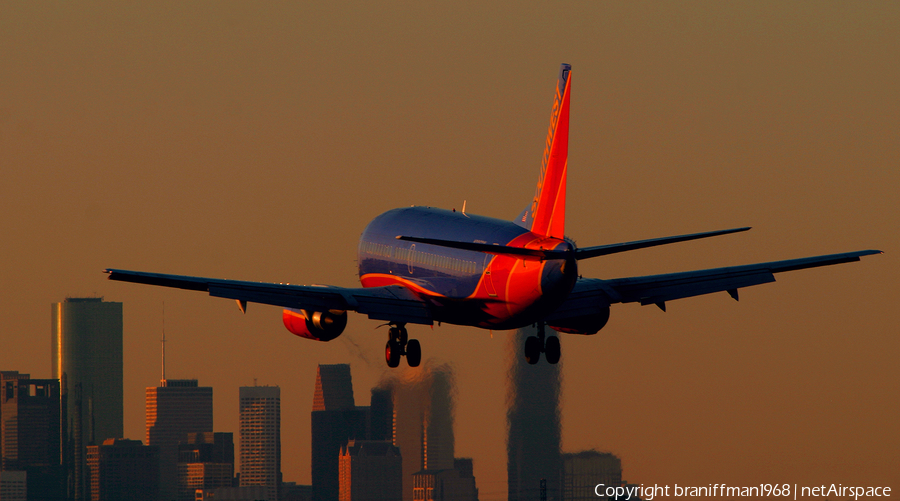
547, 214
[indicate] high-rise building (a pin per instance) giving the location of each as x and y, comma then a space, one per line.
261, 438
582, 471
174, 409
29, 421
533, 418
123, 469
370, 471
13, 485
423, 422
29, 432
335, 420
381, 414
456, 484
205, 461
86, 352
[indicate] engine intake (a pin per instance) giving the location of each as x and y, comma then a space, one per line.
317, 325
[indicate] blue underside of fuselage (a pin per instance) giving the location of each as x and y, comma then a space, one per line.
443, 270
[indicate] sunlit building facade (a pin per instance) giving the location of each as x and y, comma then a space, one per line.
261, 438
370, 471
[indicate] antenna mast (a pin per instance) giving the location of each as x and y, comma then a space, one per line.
164, 341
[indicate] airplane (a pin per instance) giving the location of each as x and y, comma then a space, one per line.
421, 265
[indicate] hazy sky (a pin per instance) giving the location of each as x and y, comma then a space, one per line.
255, 141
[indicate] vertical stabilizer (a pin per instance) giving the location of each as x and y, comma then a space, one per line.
547, 213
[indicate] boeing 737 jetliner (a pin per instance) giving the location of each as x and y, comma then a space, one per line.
421, 265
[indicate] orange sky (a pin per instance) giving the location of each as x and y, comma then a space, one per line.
248, 141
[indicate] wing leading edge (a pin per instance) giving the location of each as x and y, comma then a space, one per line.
390, 303
591, 295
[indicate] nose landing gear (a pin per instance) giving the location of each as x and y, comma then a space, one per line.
398, 345
535, 345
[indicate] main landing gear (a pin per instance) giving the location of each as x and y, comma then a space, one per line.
535, 345
398, 345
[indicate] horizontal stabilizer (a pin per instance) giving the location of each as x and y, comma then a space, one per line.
604, 250
499, 250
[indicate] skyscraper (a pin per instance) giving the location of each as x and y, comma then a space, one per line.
381, 414
335, 420
582, 471
123, 469
533, 439
29, 432
174, 409
86, 353
261, 438
457, 484
205, 461
370, 471
423, 422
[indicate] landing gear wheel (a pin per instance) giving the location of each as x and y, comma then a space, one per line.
413, 353
399, 344
532, 349
392, 353
552, 350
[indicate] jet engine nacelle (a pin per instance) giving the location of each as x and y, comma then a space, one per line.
318, 325
589, 324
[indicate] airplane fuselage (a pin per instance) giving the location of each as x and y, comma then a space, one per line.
466, 287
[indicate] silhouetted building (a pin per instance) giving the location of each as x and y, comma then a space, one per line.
335, 420
30, 434
423, 422
261, 438
457, 484
123, 469
290, 491
370, 471
582, 471
533, 440
381, 415
86, 351
174, 409
205, 461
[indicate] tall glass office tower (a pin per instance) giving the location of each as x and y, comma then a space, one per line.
533, 424
261, 438
86, 352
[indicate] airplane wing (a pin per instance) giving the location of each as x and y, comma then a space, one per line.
390, 303
591, 295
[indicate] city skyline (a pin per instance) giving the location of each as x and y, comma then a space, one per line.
255, 142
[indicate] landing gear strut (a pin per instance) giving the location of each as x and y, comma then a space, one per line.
535, 345
399, 344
